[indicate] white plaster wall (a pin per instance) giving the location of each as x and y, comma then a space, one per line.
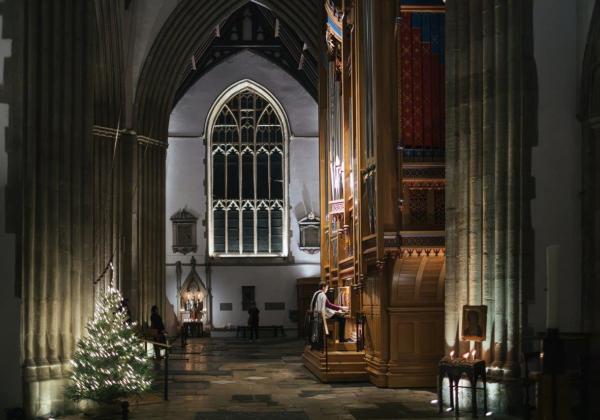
556, 210
185, 187
186, 172
11, 387
272, 284
189, 116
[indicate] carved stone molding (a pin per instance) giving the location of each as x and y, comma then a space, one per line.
152, 142
107, 132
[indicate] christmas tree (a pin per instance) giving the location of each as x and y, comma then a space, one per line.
111, 361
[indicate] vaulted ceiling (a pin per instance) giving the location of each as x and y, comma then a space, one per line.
195, 29
257, 29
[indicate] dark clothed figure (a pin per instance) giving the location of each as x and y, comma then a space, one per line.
156, 324
125, 308
322, 309
253, 321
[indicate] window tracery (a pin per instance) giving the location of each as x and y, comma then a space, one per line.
248, 174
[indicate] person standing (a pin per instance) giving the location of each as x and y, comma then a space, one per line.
253, 321
156, 324
125, 308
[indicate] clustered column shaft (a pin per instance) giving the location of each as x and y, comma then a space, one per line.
57, 192
489, 93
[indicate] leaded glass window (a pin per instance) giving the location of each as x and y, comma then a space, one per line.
247, 174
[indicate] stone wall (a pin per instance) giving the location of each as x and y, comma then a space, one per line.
186, 171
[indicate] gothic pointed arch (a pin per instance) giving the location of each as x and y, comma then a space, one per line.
193, 294
247, 134
188, 32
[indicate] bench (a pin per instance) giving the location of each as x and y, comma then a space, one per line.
244, 330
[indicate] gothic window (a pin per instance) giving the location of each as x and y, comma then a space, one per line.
247, 140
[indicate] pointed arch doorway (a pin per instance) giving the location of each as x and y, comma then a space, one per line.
193, 297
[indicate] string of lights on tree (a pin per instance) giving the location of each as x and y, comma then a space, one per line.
111, 361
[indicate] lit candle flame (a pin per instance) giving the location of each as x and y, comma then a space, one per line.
452, 354
473, 353
466, 355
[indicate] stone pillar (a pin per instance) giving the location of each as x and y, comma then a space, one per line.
148, 237
590, 221
57, 192
491, 94
109, 165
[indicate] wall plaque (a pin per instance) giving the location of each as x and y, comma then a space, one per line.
226, 306
184, 231
310, 233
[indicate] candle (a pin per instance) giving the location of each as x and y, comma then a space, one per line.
466, 356
473, 353
552, 291
452, 355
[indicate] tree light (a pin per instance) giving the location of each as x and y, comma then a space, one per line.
109, 362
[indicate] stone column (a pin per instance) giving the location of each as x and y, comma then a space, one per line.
57, 192
109, 165
590, 221
491, 94
148, 237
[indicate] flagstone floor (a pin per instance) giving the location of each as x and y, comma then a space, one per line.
218, 378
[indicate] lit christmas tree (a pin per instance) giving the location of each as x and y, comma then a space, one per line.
111, 361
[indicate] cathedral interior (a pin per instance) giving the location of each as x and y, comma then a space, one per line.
340, 208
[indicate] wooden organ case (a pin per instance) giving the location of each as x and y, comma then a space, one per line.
381, 118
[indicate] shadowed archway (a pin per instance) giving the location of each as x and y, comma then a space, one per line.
188, 32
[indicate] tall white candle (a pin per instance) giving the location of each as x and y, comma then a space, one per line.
552, 292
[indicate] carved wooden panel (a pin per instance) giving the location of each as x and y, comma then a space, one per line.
416, 335
373, 332
418, 281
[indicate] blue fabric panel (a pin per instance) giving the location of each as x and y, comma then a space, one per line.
416, 20
431, 26
426, 28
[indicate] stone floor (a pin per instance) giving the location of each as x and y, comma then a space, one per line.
215, 379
